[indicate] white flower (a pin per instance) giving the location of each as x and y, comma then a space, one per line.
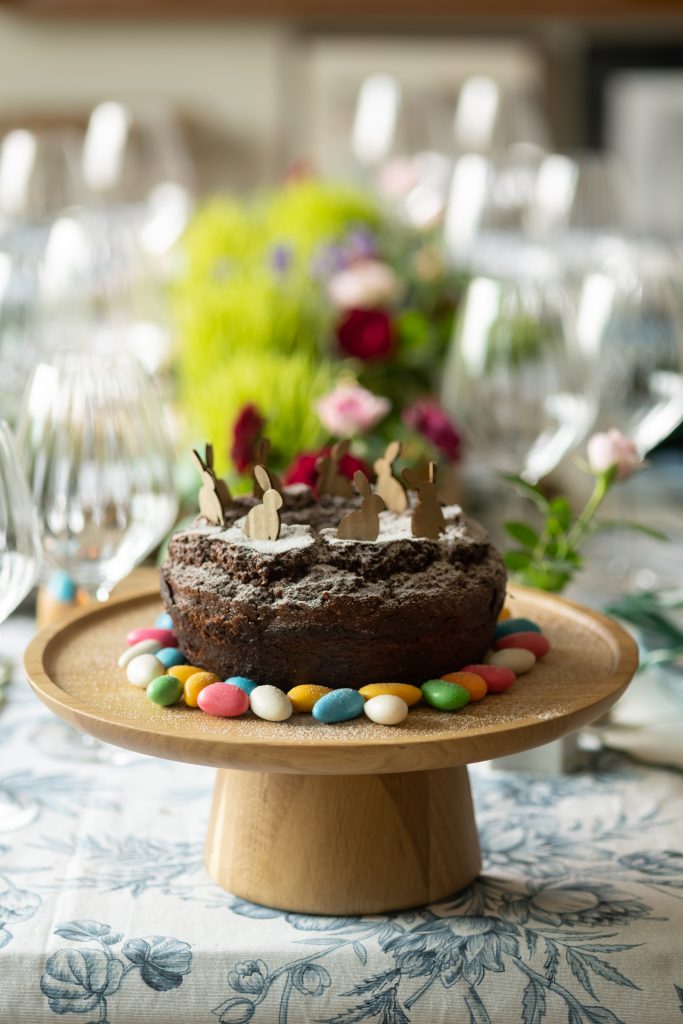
613, 449
364, 285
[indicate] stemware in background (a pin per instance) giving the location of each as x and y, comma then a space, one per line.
95, 442
515, 377
20, 550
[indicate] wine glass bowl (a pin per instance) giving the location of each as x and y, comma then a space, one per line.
95, 444
20, 551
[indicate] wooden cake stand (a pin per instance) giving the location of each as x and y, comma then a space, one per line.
353, 818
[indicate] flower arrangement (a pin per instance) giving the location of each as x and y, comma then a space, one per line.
310, 315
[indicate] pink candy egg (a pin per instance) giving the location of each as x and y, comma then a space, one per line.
223, 700
497, 677
534, 642
165, 637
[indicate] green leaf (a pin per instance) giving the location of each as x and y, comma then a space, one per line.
561, 512
551, 580
529, 490
627, 524
522, 533
517, 560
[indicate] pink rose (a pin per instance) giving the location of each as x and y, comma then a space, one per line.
351, 409
613, 449
364, 285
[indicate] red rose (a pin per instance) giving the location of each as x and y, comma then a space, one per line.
303, 471
246, 432
366, 334
428, 419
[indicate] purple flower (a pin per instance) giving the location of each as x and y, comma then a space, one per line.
281, 257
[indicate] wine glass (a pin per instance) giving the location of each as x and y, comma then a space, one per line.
94, 438
20, 552
515, 378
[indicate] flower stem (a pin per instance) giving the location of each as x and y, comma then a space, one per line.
591, 507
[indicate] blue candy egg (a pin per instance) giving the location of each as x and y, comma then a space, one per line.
163, 621
170, 656
339, 706
515, 626
61, 587
242, 683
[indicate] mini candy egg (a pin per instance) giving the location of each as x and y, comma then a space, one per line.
164, 636
194, 684
142, 647
269, 703
221, 699
498, 679
183, 672
143, 669
534, 642
445, 696
515, 626
474, 684
248, 685
170, 657
165, 690
305, 696
61, 587
386, 709
410, 694
339, 706
520, 661
505, 613
163, 621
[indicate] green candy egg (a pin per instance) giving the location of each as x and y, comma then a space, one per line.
165, 690
445, 696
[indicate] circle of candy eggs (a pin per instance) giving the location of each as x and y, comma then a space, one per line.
143, 669
165, 690
170, 656
517, 659
163, 621
305, 696
195, 684
165, 637
534, 642
474, 684
386, 709
410, 694
269, 703
445, 696
243, 683
497, 677
339, 706
183, 672
515, 626
221, 699
141, 647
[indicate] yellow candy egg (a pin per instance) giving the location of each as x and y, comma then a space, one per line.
410, 694
504, 614
183, 672
193, 686
303, 697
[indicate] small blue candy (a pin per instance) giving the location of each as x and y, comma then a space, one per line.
515, 626
242, 683
339, 706
170, 656
163, 621
61, 587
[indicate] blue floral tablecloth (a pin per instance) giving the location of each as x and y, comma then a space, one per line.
107, 913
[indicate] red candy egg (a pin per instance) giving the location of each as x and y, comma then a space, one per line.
165, 637
223, 700
497, 677
534, 642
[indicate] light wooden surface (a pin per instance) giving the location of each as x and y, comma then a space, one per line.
72, 668
360, 844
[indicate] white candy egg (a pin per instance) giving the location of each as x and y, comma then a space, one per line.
271, 704
386, 709
142, 647
515, 658
143, 669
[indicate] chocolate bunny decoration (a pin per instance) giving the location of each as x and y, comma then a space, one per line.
261, 449
362, 523
388, 487
427, 519
330, 480
263, 521
214, 496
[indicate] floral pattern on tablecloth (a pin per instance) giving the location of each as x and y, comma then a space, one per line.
107, 913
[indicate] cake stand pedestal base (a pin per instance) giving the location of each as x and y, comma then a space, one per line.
343, 844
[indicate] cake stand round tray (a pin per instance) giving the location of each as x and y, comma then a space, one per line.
354, 818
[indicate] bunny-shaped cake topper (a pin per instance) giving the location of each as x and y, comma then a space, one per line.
261, 450
263, 521
388, 487
427, 519
214, 495
330, 480
362, 523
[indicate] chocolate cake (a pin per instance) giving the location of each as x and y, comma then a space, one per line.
311, 608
